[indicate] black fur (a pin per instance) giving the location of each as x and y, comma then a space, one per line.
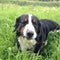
43, 27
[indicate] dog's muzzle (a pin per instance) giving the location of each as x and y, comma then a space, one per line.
29, 34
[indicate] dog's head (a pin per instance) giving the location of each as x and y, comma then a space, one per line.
27, 25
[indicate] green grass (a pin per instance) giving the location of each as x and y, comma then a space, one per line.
34, 3
8, 15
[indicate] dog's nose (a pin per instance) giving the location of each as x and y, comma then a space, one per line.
30, 34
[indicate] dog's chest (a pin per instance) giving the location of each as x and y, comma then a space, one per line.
26, 44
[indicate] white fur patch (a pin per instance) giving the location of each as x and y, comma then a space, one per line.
58, 30
26, 44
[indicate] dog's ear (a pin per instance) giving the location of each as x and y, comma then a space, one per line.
16, 26
39, 26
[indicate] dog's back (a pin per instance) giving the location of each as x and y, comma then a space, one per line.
50, 25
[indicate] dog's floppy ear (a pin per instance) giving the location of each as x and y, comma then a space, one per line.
16, 26
41, 35
39, 26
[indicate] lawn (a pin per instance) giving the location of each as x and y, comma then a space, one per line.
8, 15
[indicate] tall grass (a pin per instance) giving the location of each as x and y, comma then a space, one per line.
8, 15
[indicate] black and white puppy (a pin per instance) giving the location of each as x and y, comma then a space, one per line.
31, 33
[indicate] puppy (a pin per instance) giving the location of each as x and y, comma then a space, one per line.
31, 33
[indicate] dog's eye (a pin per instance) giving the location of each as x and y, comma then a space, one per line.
34, 21
25, 21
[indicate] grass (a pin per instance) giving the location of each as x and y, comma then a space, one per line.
8, 15
34, 3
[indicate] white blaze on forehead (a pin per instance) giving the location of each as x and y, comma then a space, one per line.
30, 19
30, 27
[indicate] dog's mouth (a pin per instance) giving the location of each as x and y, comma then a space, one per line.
28, 38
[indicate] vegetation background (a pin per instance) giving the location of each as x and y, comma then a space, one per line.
10, 10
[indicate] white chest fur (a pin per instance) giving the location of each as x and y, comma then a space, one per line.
26, 44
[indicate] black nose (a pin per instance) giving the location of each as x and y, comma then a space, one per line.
30, 34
